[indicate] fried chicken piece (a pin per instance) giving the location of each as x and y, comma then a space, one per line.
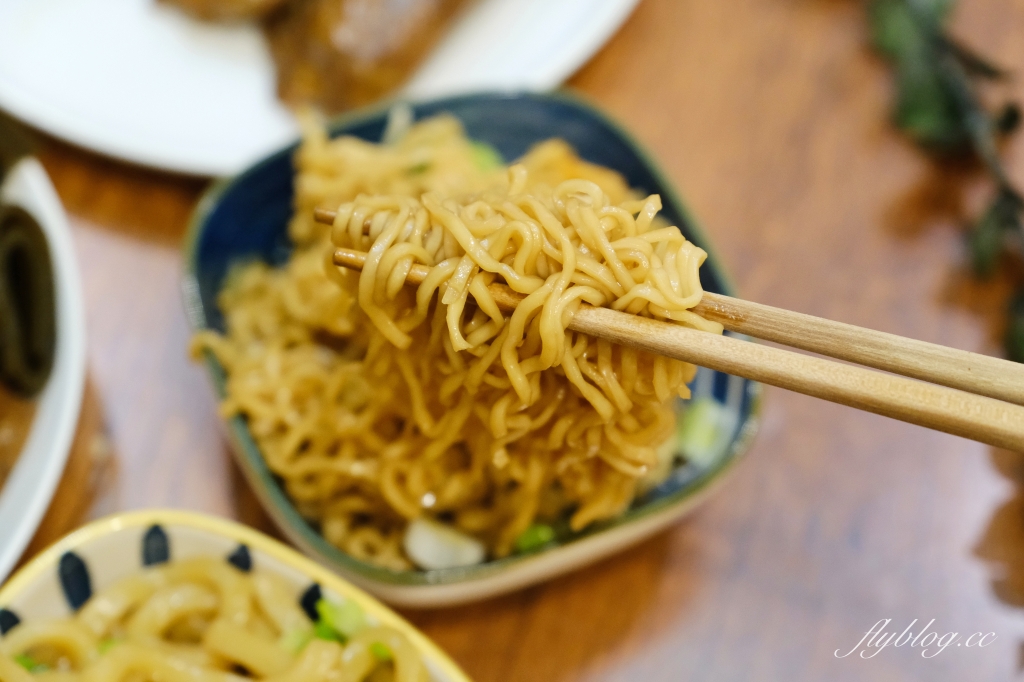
338, 54
227, 10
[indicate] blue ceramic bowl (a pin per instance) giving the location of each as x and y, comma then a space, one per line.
246, 217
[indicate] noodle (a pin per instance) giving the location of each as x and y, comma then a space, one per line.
202, 620
378, 404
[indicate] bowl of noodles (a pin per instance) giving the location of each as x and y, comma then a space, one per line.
176, 596
420, 440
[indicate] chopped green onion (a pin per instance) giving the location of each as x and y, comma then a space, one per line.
107, 644
296, 640
30, 664
381, 652
535, 537
345, 618
485, 156
419, 168
705, 431
324, 631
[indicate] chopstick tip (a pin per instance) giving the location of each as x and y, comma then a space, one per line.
324, 215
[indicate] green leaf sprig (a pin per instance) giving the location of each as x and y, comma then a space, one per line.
938, 106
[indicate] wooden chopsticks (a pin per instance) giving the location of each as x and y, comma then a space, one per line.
966, 410
971, 372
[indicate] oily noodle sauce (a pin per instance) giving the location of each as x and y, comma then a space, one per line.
15, 422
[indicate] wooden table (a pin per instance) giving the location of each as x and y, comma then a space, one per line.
772, 117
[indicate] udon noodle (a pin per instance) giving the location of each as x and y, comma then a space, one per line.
379, 403
202, 620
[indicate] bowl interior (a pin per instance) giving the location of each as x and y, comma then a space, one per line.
61, 579
245, 218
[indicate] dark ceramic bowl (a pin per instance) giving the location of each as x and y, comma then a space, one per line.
245, 217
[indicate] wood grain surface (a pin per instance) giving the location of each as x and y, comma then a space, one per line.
772, 118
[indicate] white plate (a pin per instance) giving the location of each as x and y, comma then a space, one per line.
29, 489
140, 81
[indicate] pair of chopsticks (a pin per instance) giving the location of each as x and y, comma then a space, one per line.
958, 392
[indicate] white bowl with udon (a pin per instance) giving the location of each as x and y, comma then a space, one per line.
185, 597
